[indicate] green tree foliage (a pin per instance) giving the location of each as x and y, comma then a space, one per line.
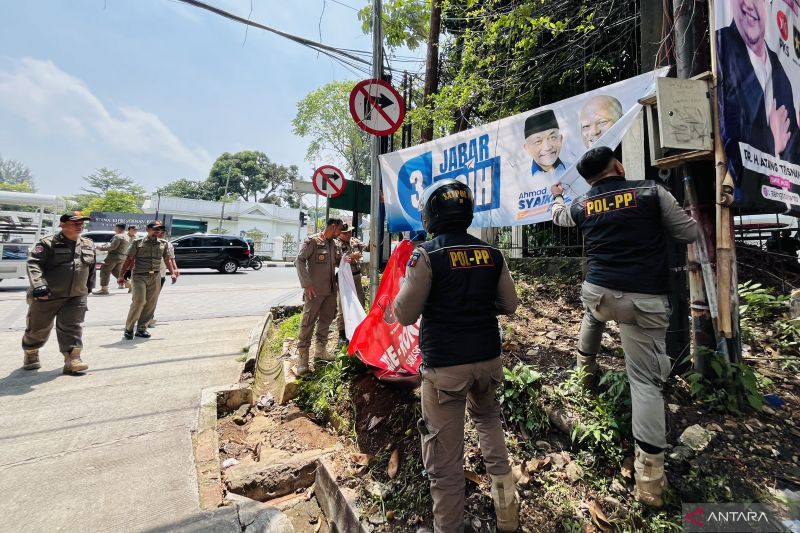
108, 183
16, 187
186, 188
113, 201
252, 176
15, 176
323, 116
502, 57
105, 179
405, 22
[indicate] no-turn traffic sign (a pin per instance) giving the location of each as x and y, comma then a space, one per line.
328, 181
377, 107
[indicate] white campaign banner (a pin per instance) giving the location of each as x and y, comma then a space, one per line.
352, 311
510, 164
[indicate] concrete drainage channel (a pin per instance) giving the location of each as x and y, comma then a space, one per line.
278, 492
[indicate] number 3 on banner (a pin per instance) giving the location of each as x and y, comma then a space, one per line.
418, 182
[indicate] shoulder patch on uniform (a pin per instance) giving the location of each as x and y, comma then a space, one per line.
412, 261
38, 249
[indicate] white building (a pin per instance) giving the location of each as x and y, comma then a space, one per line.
261, 222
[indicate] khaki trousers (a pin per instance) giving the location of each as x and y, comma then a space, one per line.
361, 298
111, 267
643, 321
320, 311
144, 289
446, 391
67, 313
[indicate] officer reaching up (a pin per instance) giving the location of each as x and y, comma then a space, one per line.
625, 225
459, 284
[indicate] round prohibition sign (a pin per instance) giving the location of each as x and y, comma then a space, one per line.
328, 181
377, 107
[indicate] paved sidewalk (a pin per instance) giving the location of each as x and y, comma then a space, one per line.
110, 450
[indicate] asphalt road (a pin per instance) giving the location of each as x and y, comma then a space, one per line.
198, 294
111, 450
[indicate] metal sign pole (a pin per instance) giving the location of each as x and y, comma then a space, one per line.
374, 225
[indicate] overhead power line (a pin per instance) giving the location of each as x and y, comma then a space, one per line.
296, 38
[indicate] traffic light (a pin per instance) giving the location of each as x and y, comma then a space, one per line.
303, 217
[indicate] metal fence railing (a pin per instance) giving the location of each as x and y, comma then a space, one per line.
544, 239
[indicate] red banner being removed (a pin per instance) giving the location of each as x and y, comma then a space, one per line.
380, 340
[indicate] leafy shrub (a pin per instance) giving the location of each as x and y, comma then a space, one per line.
520, 397
731, 387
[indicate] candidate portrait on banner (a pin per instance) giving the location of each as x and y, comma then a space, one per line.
757, 102
511, 163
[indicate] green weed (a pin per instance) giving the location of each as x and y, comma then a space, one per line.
520, 397
731, 387
603, 419
288, 328
325, 392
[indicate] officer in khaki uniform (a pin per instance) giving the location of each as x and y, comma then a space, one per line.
351, 247
625, 225
316, 267
459, 284
61, 271
145, 256
117, 249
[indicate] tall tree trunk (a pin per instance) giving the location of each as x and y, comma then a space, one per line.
432, 65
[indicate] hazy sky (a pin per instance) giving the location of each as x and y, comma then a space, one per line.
158, 89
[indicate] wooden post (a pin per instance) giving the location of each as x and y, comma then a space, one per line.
432, 65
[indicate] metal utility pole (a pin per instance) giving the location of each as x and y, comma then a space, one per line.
225, 196
375, 219
432, 64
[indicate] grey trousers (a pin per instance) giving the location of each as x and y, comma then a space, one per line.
67, 313
643, 321
145, 289
446, 391
319, 311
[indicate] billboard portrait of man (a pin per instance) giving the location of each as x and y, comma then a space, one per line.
597, 116
543, 140
757, 106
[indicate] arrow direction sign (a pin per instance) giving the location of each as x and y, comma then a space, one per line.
377, 107
328, 181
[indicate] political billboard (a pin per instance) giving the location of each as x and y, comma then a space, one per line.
511, 163
758, 79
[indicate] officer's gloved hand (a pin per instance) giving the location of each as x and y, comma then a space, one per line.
41, 293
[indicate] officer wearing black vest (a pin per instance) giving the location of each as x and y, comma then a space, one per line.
625, 225
459, 284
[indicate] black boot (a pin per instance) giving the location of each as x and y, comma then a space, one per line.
128, 334
143, 334
342, 337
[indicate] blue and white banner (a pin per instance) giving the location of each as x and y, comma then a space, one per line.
510, 164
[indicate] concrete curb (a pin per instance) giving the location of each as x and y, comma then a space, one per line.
257, 337
273, 265
268, 369
338, 503
206, 440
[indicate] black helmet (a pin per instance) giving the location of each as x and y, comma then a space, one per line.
446, 204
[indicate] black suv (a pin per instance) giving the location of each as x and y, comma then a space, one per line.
222, 252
